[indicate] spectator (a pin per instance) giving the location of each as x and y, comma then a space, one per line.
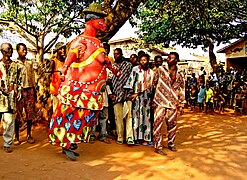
28, 94
118, 93
169, 95
140, 86
57, 62
10, 91
201, 97
209, 99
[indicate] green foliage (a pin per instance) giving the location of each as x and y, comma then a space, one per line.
191, 23
36, 19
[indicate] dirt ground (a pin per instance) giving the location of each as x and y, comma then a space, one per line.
209, 147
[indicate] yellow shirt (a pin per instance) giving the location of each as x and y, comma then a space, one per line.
209, 95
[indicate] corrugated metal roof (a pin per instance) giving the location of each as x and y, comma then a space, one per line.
222, 50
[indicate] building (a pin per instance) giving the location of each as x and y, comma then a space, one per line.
131, 46
236, 54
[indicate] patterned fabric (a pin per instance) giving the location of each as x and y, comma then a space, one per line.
28, 102
170, 117
11, 82
27, 73
55, 78
118, 82
141, 82
167, 95
71, 125
80, 95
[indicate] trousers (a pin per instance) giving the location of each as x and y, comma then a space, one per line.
8, 128
119, 119
103, 116
170, 117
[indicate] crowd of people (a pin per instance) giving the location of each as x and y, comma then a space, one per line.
220, 90
129, 99
89, 89
135, 103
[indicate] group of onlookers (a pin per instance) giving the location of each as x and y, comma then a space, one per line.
17, 92
136, 102
142, 99
219, 91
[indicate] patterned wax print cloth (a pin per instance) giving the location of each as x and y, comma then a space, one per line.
118, 82
70, 125
11, 82
140, 81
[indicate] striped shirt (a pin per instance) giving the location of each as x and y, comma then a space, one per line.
118, 82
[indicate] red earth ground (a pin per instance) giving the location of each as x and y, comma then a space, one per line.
209, 147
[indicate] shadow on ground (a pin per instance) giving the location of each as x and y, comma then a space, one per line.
209, 147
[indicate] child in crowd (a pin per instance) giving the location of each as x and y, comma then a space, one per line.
209, 99
201, 97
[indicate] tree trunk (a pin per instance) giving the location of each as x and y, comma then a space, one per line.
212, 57
116, 18
118, 15
43, 103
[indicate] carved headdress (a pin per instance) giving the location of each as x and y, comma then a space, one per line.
96, 9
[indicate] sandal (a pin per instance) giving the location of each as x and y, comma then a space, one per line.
30, 139
16, 142
69, 154
161, 152
105, 140
137, 143
75, 153
92, 140
7, 149
130, 141
147, 144
172, 147
119, 142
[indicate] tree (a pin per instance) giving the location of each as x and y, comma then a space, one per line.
192, 23
37, 20
42, 22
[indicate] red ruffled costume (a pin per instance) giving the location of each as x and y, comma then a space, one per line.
80, 94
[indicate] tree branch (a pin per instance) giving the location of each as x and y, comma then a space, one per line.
49, 45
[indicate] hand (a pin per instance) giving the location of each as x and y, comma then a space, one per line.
153, 105
119, 74
19, 96
62, 78
133, 97
4, 92
64, 69
113, 97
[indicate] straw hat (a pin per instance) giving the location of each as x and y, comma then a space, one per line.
95, 8
59, 45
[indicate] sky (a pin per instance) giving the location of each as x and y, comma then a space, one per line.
127, 31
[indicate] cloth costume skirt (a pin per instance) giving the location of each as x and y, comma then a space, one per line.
70, 125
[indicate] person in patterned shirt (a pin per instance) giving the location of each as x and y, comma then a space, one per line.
169, 94
140, 90
10, 90
119, 93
